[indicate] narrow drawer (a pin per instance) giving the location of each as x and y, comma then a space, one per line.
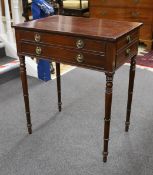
71, 56
126, 14
122, 3
127, 39
126, 54
65, 41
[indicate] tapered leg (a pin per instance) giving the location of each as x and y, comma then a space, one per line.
108, 104
58, 85
130, 92
25, 92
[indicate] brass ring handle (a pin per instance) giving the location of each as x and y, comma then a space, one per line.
128, 51
79, 43
135, 14
136, 1
80, 58
37, 37
38, 50
104, 13
128, 38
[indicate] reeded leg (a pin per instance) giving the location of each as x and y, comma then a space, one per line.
130, 92
108, 103
58, 85
25, 92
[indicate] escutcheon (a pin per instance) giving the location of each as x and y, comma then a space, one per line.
37, 37
38, 50
128, 51
128, 38
80, 58
79, 43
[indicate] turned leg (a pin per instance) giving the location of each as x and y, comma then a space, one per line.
25, 92
58, 85
108, 103
130, 92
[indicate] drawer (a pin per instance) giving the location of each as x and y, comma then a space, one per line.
126, 14
125, 54
127, 39
65, 41
122, 3
146, 32
71, 56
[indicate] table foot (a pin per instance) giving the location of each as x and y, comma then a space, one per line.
105, 154
29, 129
60, 107
127, 124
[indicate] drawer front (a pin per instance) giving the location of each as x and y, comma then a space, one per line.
71, 56
126, 14
146, 32
127, 39
65, 41
125, 54
123, 3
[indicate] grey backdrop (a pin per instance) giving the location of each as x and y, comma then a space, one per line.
70, 142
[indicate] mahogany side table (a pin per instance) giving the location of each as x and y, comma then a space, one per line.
102, 45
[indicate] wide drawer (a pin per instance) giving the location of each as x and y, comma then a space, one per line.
64, 41
71, 56
123, 3
125, 54
126, 14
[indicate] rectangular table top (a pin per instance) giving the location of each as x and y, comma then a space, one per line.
79, 26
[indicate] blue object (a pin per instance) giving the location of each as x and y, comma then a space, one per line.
44, 70
41, 9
